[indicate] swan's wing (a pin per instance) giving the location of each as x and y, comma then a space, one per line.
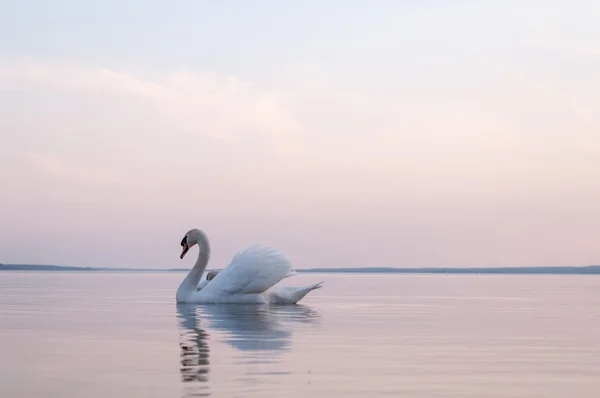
252, 270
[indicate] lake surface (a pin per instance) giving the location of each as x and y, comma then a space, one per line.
362, 335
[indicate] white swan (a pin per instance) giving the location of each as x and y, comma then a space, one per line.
250, 278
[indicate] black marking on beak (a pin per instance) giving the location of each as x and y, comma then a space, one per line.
185, 246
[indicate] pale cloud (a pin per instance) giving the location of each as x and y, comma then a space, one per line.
88, 150
54, 166
205, 103
573, 47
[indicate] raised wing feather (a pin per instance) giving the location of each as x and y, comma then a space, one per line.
252, 270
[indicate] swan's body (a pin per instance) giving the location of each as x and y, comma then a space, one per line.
250, 278
276, 294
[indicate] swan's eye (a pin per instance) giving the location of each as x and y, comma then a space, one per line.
184, 241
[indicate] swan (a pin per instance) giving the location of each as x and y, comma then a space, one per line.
250, 278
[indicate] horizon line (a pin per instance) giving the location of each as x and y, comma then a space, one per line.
565, 269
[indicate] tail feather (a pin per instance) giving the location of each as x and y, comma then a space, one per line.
292, 294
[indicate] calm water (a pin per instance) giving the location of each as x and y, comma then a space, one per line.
122, 335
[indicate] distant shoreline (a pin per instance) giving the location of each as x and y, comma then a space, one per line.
558, 270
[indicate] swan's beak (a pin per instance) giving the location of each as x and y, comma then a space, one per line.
185, 250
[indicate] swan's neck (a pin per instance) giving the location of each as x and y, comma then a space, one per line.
189, 284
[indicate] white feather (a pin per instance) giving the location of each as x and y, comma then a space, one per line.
252, 271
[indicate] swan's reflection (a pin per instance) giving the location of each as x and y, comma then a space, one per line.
194, 352
258, 329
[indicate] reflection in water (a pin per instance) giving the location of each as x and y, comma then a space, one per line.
247, 328
194, 353
257, 328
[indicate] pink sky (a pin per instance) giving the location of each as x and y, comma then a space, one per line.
475, 150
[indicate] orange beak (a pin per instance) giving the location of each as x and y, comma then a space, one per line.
185, 250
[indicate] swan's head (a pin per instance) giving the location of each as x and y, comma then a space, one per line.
191, 238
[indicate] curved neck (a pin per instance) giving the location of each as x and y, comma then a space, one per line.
189, 284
